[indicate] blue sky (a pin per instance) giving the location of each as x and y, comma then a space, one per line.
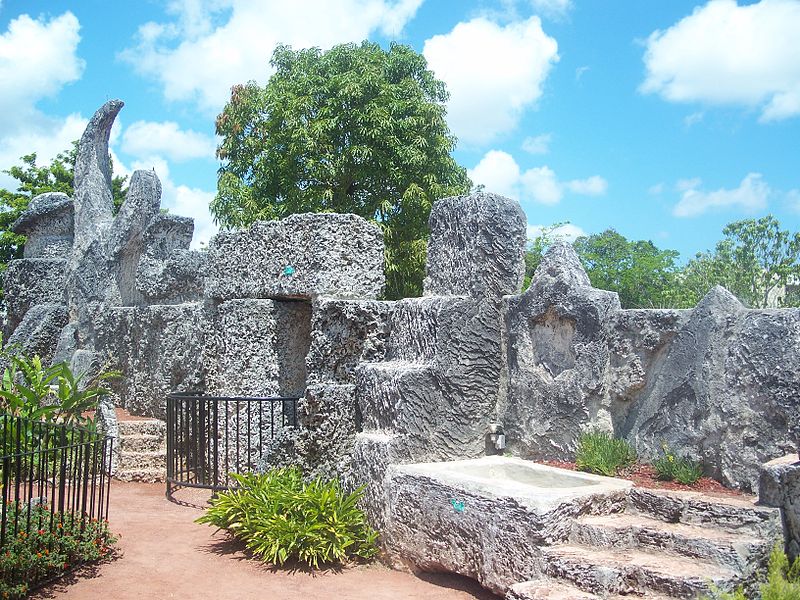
664, 120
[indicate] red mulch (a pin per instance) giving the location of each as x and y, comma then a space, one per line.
645, 476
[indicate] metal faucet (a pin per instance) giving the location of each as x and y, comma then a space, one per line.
496, 437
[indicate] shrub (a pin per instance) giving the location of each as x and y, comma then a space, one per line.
677, 468
783, 579
280, 517
45, 546
782, 583
34, 391
598, 452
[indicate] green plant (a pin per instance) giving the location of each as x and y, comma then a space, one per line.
782, 582
32, 394
280, 517
31, 390
783, 579
599, 452
46, 545
354, 129
682, 469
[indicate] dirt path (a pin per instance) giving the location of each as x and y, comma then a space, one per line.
166, 555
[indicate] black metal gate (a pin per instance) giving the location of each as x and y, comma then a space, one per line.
209, 437
51, 472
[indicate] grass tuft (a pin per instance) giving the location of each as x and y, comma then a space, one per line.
682, 469
598, 452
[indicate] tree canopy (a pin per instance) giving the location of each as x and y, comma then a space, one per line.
354, 129
756, 260
642, 274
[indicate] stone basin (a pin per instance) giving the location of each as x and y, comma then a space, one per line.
489, 518
532, 485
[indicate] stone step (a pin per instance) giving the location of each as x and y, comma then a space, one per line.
547, 589
735, 514
142, 460
553, 589
142, 475
142, 443
606, 571
423, 327
735, 551
142, 427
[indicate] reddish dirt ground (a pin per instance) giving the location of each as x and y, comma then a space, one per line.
645, 476
164, 554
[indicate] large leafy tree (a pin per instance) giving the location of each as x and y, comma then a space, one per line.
755, 260
354, 129
32, 180
642, 274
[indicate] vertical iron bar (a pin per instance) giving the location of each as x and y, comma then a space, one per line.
227, 443
238, 418
215, 404
201, 440
18, 461
88, 445
247, 437
6, 469
170, 425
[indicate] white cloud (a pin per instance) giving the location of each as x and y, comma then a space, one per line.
498, 172
592, 186
724, 53
182, 200
38, 57
687, 184
750, 196
656, 189
566, 232
194, 58
693, 119
541, 185
147, 138
554, 9
44, 136
493, 73
539, 144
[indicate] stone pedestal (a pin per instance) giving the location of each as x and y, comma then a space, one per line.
779, 486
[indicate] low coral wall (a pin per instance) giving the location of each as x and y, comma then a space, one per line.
291, 307
719, 382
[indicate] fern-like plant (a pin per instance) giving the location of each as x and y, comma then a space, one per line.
599, 452
280, 517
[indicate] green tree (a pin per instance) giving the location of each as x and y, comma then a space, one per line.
754, 260
643, 275
34, 180
354, 129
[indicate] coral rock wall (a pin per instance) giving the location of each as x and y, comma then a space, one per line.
291, 307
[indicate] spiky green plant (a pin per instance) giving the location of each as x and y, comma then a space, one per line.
599, 452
